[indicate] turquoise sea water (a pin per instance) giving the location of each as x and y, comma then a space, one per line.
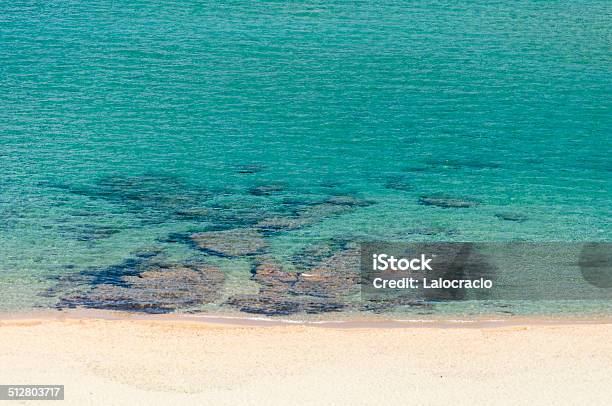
125, 125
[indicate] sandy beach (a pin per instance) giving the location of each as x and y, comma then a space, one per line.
166, 361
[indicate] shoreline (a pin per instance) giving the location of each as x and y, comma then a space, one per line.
350, 322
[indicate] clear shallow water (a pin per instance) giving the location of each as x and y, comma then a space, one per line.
119, 122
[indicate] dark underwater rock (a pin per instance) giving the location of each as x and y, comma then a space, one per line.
387, 303
447, 202
320, 289
91, 232
517, 217
159, 289
112, 275
231, 243
315, 253
221, 216
258, 304
351, 201
289, 214
153, 198
271, 274
151, 191
310, 213
183, 237
249, 169
281, 223
333, 277
266, 190
317, 212
321, 284
276, 306
147, 252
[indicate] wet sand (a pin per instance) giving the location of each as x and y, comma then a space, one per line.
162, 360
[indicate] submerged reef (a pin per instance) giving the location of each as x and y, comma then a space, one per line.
230, 243
232, 226
324, 288
235, 226
149, 287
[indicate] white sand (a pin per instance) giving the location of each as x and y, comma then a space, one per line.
148, 362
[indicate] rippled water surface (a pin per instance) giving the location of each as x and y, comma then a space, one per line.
127, 128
